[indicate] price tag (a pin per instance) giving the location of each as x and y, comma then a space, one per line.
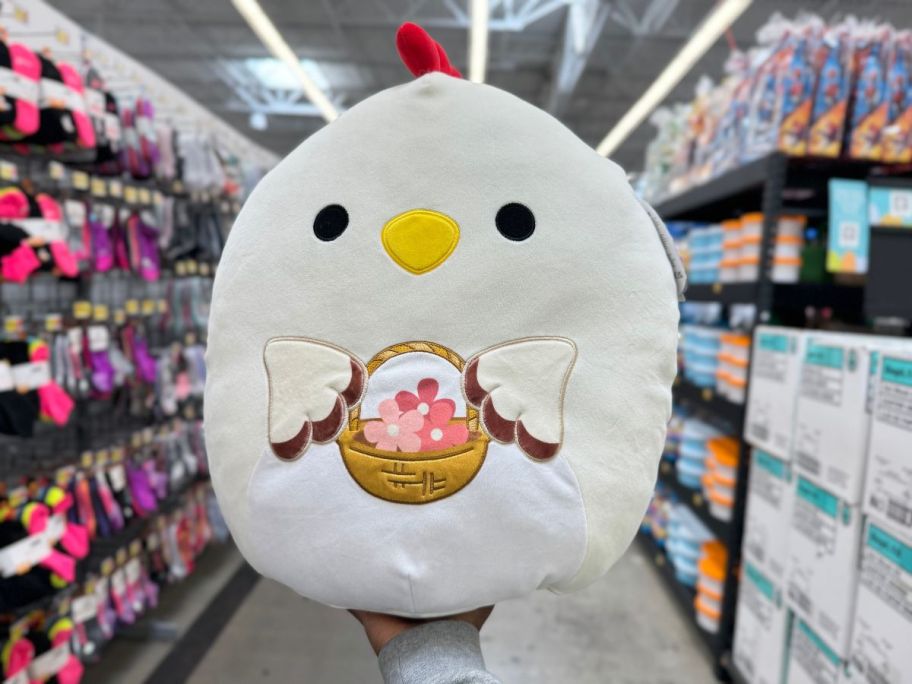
87, 459
121, 556
189, 339
158, 198
136, 440
192, 267
717, 288
115, 188
21, 14
99, 338
99, 187
132, 307
162, 306
135, 548
133, 571
180, 268
6, 376
101, 457
147, 435
118, 582
148, 307
49, 663
177, 187
707, 394
14, 325
53, 322
21, 556
9, 171
145, 197
80, 180
697, 500
130, 194
152, 541
64, 39
84, 608
82, 310
100, 312
120, 317
32, 375
204, 269
56, 171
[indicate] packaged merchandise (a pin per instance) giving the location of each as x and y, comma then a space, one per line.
883, 611
869, 103
810, 658
767, 516
888, 482
762, 625
849, 234
831, 100
774, 379
896, 138
824, 539
890, 206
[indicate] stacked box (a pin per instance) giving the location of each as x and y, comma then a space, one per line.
767, 515
761, 628
822, 566
811, 660
888, 484
881, 648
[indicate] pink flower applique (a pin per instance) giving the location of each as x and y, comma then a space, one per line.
396, 430
437, 432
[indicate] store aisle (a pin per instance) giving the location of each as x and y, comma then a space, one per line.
622, 630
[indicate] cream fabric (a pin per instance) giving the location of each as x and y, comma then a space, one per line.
594, 271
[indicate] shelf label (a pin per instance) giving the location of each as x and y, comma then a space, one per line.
80, 180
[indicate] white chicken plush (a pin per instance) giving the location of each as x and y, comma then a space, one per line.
441, 350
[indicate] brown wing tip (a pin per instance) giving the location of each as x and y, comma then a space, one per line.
352, 393
325, 430
498, 427
294, 447
475, 393
534, 448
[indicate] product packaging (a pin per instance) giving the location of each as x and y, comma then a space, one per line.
811, 660
849, 234
761, 628
822, 567
767, 517
888, 484
882, 626
774, 377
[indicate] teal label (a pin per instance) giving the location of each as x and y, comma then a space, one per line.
761, 582
820, 498
771, 464
818, 643
774, 343
829, 357
898, 371
890, 548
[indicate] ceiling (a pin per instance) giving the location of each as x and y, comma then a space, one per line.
201, 46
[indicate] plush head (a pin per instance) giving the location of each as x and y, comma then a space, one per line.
441, 349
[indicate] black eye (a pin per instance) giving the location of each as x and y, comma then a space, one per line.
330, 222
515, 221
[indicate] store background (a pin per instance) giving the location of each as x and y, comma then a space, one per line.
780, 537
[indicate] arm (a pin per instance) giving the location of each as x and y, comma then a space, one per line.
443, 651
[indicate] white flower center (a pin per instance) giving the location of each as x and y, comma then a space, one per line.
436, 434
392, 430
423, 408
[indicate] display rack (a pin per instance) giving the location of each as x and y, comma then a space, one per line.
775, 185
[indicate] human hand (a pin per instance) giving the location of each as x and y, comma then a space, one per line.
381, 628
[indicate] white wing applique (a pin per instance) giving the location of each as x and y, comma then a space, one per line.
518, 387
312, 385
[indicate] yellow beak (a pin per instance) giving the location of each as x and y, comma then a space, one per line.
420, 240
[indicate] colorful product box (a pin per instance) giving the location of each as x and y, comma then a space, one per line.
849, 235
890, 206
822, 567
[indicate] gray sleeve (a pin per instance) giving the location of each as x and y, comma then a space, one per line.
437, 652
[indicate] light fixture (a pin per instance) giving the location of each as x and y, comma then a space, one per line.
478, 40
258, 121
714, 25
266, 31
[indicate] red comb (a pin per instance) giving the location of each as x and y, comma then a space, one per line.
421, 53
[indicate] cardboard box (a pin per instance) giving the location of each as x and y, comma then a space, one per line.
888, 484
770, 489
881, 649
776, 356
761, 628
890, 207
810, 659
833, 412
822, 568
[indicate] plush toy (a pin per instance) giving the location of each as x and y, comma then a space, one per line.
441, 349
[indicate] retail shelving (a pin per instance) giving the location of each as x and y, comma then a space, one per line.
774, 185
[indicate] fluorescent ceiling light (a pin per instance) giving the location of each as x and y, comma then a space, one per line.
716, 23
478, 40
276, 75
275, 43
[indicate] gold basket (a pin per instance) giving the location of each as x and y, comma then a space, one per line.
419, 477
